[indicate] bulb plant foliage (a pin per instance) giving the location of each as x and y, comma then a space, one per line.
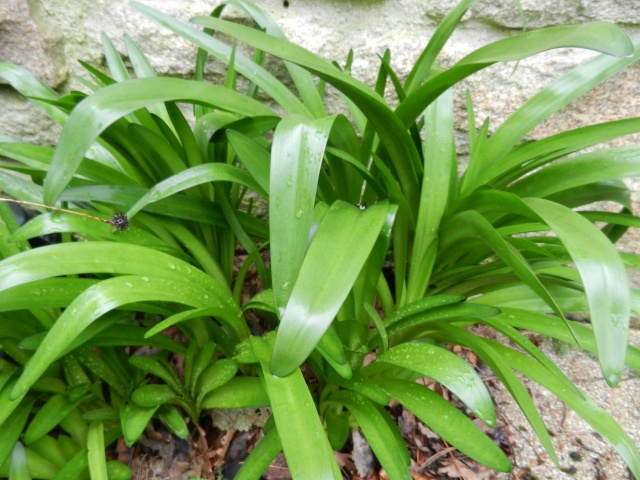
348, 196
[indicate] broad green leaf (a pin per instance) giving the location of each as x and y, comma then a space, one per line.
50, 449
447, 421
10, 431
214, 376
604, 278
255, 158
152, 395
459, 336
49, 415
32, 87
296, 158
239, 392
422, 68
411, 328
154, 366
438, 187
106, 257
303, 438
549, 100
97, 112
392, 454
143, 69
134, 420
194, 364
262, 455
46, 293
444, 367
609, 164
598, 36
558, 145
173, 420
335, 257
303, 81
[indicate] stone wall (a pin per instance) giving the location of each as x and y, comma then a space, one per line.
47, 36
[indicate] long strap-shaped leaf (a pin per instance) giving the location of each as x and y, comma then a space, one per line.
251, 70
444, 367
551, 99
604, 278
599, 36
393, 134
336, 255
296, 158
304, 441
94, 114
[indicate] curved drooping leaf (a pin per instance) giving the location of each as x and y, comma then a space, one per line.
92, 116
254, 72
592, 167
106, 257
447, 421
198, 175
335, 257
521, 46
303, 81
98, 300
444, 367
604, 278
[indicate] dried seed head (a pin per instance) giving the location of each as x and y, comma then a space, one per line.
120, 221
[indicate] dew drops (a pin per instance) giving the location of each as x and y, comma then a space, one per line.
172, 266
128, 284
299, 214
285, 285
144, 279
37, 293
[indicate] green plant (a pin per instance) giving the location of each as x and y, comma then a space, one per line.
464, 250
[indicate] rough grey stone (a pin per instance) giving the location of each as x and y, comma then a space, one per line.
21, 42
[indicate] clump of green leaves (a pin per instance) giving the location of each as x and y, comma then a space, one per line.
464, 251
